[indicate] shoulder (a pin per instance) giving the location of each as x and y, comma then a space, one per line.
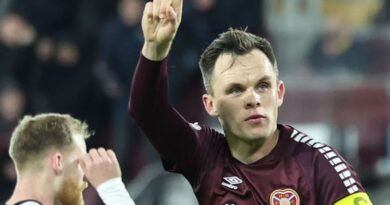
332, 175
305, 146
207, 132
208, 138
211, 142
301, 143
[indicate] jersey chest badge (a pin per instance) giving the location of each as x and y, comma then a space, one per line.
284, 197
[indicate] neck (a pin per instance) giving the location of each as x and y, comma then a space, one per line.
248, 152
33, 186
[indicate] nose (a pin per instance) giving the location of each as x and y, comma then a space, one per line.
252, 99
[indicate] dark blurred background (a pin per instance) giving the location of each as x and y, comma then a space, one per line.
78, 56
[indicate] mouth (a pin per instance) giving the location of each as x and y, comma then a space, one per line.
255, 118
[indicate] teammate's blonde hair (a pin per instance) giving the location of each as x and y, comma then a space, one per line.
35, 135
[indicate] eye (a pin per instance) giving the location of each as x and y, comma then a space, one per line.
264, 85
235, 89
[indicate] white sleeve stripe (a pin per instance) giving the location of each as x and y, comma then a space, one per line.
311, 142
345, 174
318, 145
324, 149
305, 139
353, 189
334, 160
340, 167
299, 137
348, 182
295, 132
330, 155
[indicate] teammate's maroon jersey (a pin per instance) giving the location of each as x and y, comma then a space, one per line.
299, 170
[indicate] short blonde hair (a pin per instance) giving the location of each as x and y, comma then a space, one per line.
35, 135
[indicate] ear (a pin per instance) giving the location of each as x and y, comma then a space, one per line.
209, 105
281, 92
57, 162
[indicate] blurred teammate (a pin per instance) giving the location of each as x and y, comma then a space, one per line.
256, 160
49, 153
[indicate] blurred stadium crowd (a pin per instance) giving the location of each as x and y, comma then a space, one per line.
78, 56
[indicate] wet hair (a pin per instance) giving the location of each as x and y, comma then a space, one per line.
236, 42
35, 135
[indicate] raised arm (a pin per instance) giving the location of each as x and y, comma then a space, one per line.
168, 131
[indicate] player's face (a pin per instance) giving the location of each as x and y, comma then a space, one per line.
73, 184
247, 95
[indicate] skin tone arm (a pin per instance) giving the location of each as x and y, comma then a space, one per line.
160, 22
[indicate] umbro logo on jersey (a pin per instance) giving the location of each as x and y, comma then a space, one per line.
231, 182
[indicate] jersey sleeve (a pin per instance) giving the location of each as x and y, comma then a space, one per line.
336, 182
172, 135
113, 191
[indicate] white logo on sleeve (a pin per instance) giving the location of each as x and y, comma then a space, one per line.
196, 126
231, 182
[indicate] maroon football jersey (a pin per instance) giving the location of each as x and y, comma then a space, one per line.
299, 170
